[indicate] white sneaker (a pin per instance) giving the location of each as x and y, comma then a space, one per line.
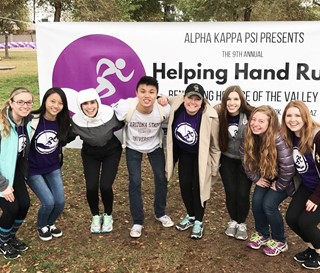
232, 228
96, 224
136, 231
107, 223
165, 220
55, 231
241, 233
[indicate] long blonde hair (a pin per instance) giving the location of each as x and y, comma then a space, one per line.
260, 152
4, 120
306, 132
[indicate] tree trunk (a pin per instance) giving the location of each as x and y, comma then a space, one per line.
6, 48
247, 14
57, 11
166, 13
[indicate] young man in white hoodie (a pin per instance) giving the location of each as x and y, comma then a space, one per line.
143, 135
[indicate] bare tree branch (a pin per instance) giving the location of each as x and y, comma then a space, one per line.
315, 2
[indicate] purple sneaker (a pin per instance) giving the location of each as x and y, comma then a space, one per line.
274, 248
257, 240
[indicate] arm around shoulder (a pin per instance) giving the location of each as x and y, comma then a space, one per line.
122, 107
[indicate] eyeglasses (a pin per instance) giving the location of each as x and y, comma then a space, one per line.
22, 102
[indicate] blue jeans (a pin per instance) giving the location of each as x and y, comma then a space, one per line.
157, 161
265, 208
49, 189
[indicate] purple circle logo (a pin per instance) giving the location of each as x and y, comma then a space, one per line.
98, 61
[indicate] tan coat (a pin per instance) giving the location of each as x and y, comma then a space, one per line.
209, 152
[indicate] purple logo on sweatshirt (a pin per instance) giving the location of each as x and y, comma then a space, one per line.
98, 61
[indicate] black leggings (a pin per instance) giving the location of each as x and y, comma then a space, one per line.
106, 160
302, 222
237, 188
18, 209
188, 171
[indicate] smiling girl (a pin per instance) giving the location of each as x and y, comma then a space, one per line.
234, 112
51, 126
15, 144
268, 163
192, 139
95, 123
302, 134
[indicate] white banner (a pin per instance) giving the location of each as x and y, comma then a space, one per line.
273, 62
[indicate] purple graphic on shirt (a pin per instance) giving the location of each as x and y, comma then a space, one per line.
98, 61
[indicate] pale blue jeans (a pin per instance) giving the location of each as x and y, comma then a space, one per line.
49, 189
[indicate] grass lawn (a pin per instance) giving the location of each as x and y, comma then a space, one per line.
24, 74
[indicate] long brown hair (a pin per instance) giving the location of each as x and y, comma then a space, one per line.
3, 116
306, 132
260, 152
222, 110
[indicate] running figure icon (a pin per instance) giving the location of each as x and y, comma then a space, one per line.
112, 68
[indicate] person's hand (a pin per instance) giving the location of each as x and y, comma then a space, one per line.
8, 194
262, 182
310, 206
273, 186
163, 100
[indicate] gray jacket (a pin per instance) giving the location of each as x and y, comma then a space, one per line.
234, 143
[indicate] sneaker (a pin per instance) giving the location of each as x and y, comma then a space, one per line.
313, 262
274, 248
305, 255
197, 230
44, 233
256, 241
18, 244
232, 228
9, 252
185, 223
241, 233
107, 223
96, 224
136, 231
165, 220
55, 231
